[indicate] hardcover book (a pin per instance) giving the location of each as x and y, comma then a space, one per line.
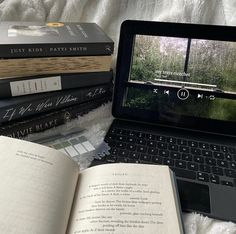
37, 39
42, 191
20, 107
20, 128
11, 87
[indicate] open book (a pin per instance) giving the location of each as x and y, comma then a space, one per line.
42, 191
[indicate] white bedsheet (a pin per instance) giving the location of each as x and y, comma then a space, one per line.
109, 14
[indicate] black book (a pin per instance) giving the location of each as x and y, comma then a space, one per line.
20, 107
38, 123
37, 39
11, 87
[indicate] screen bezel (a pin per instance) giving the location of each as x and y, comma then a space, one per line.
129, 29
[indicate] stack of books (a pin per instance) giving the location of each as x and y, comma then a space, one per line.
51, 72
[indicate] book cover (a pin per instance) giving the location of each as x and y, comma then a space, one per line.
20, 107
38, 123
11, 87
37, 39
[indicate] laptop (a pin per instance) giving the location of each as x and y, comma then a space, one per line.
175, 104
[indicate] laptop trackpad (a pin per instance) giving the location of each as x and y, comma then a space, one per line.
194, 196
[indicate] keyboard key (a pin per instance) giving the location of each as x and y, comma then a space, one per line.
203, 145
198, 159
114, 151
120, 145
224, 149
173, 147
222, 163
162, 145
232, 150
140, 135
192, 166
184, 173
230, 173
205, 168
131, 147
168, 161
151, 143
210, 161
171, 140
164, 153
131, 133
145, 157
175, 155
182, 142
214, 179
228, 157
217, 171
122, 160
202, 177
195, 151
180, 164
141, 149
134, 155
218, 155
187, 157
157, 159
150, 137
141, 141
232, 165
214, 147
227, 183
206, 153
121, 138
152, 151
123, 153
193, 144
131, 139
184, 149
161, 138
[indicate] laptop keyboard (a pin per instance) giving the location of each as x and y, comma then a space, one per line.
201, 161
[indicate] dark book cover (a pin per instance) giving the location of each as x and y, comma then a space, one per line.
12, 87
20, 107
37, 39
39, 123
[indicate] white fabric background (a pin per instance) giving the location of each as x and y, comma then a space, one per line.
109, 14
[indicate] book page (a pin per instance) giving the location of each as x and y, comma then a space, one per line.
36, 188
125, 198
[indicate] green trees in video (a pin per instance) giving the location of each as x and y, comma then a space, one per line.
210, 62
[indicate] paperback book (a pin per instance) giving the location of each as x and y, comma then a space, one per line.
47, 39
20, 107
12, 87
42, 190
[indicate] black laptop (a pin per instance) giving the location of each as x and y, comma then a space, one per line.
175, 104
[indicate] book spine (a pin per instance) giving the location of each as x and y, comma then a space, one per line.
40, 123
51, 65
12, 87
20, 107
46, 50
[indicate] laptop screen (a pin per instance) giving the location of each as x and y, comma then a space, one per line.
186, 76
173, 79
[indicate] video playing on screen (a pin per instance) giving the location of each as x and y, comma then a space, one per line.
183, 76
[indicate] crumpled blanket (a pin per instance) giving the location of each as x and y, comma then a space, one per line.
109, 14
